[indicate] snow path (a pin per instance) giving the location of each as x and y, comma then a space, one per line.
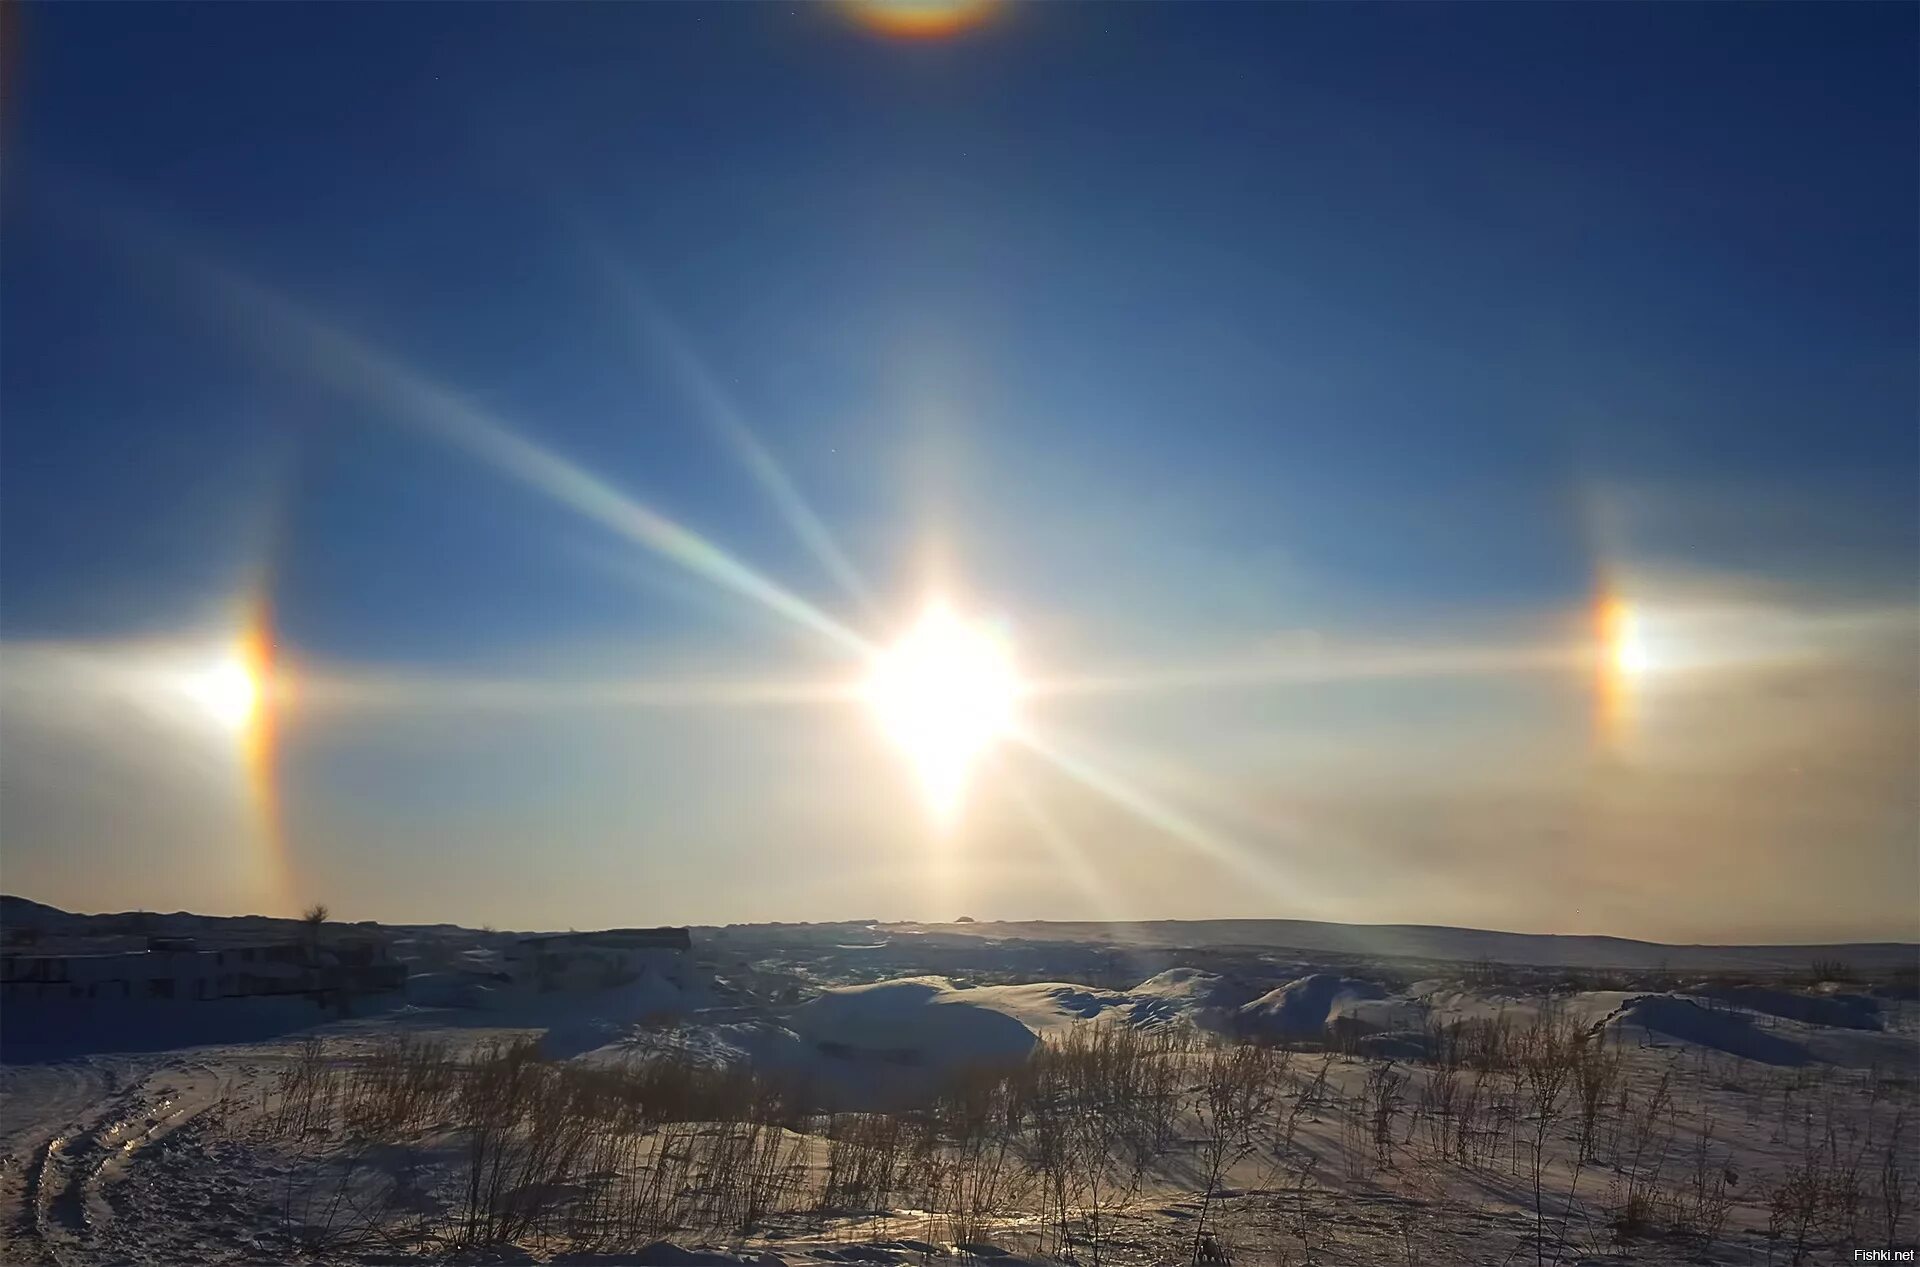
73, 1133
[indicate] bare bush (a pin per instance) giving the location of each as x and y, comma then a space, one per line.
1383, 1098
406, 1083
1548, 1054
1793, 1207
866, 1159
1596, 1073
1237, 1090
1893, 1182
1640, 1159
1700, 1209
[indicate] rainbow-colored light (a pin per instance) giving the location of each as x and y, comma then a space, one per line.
251, 678
1621, 659
920, 19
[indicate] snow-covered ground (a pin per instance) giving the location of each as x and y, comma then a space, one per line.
1748, 1115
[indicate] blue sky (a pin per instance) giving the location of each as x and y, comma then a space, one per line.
1183, 328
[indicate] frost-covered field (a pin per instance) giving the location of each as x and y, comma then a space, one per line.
865, 1093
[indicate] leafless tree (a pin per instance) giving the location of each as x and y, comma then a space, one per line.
313, 917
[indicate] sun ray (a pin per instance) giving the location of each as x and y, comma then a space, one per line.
350, 364
1072, 858
719, 412
1150, 810
326, 691
1317, 665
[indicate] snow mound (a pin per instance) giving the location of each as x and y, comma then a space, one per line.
912, 1024
1683, 1019
1205, 999
1706, 1022
1371, 1009
1195, 985
1304, 1008
866, 1047
591, 1021
1052, 1005
1836, 1011
1587, 1008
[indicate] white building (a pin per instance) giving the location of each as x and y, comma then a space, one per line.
174, 968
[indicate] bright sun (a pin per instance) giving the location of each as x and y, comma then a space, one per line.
944, 692
1627, 644
227, 690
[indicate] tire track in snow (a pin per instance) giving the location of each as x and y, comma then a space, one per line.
42, 1109
63, 1205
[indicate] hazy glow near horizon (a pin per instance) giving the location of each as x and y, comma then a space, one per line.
944, 693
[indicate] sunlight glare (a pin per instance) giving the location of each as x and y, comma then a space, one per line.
1626, 642
1623, 661
228, 690
944, 693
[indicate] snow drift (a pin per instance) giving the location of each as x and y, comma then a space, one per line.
1204, 999
1839, 1011
1678, 1017
1304, 1008
1051, 1005
895, 1040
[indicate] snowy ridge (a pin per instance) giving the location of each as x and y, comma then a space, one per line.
1438, 942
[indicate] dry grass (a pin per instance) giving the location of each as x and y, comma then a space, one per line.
557, 1156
